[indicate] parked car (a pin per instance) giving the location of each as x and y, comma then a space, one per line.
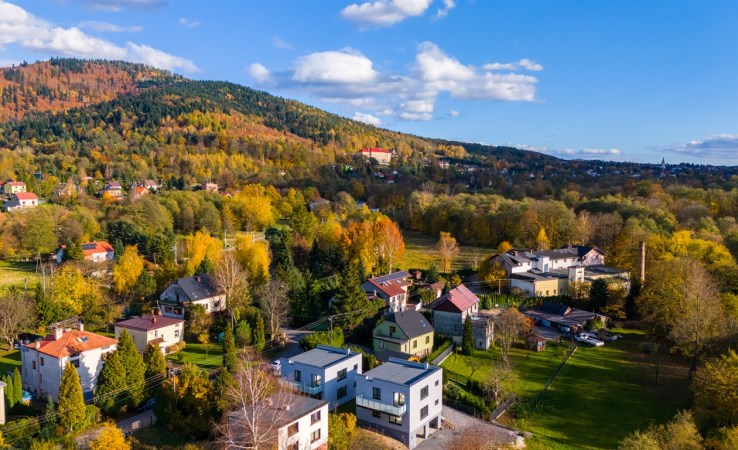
589, 339
148, 404
276, 366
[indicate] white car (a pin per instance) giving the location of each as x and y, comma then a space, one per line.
276, 367
588, 338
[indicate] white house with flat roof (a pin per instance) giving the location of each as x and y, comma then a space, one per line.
403, 399
326, 373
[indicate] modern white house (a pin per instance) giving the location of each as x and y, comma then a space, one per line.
392, 288
401, 398
195, 290
43, 361
152, 329
294, 422
326, 373
21, 200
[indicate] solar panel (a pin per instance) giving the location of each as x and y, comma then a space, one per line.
422, 323
89, 246
83, 339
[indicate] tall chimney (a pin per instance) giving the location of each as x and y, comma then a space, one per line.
58, 332
642, 262
81, 326
2, 403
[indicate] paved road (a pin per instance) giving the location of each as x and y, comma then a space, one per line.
293, 343
137, 422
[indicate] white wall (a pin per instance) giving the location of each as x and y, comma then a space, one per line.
305, 430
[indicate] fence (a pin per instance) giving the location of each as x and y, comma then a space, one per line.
555, 374
442, 357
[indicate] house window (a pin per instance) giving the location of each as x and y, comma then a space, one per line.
341, 375
436, 403
356, 367
424, 392
424, 412
75, 363
436, 382
377, 414
294, 446
314, 436
399, 399
415, 343
176, 333
393, 330
315, 417
42, 361
34, 365
293, 429
298, 375
427, 339
397, 420
156, 333
376, 393
341, 392
381, 344
315, 380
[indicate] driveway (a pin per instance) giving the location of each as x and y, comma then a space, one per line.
142, 420
455, 423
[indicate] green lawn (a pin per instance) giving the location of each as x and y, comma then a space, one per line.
195, 353
17, 273
420, 253
159, 436
9, 360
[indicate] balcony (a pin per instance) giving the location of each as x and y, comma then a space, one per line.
379, 406
305, 388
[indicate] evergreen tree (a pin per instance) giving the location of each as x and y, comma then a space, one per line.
259, 339
599, 294
17, 387
134, 368
229, 350
118, 249
350, 297
71, 406
50, 419
155, 363
206, 267
243, 333
74, 252
9, 394
109, 395
631, 310
467, 339
431, 276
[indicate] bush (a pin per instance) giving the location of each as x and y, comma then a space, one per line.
456, 393
334, 339
446, 342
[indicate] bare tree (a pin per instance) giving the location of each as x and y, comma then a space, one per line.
260, 407
448, 250
497, 384
16, 314
275, 305
231, 278
509, 325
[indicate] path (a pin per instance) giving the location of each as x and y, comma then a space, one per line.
455, 422
142, 420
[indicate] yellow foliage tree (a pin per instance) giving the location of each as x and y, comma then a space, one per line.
448, 250
357, 242
389, 246
110, 438
71, 289
504, 247
542, 239
254, 258
198, 246
127, 270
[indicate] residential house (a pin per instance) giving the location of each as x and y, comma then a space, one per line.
151, 185
96, 251
326, 373
403, 399
43, 361
561, 317
112, 189
21, 200
450, 312
152, 329
14, 187
392, 288
137, 193
195, 290
210, 187
383, 157
318, 204
297, 423
404, 331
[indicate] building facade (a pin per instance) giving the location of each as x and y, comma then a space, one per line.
326, 373
152, 329
405, 331
401, 398
21, 200
392, 288
14, 187
450, 312
196, 290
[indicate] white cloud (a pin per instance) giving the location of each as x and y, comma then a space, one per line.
582, 153
367, 119
189, 23
523, 64
19, 27
119, 5
260, 73
281, 44
448, 5
454, 113
345, 66
720, 147
107, 27
416, 116
384, 12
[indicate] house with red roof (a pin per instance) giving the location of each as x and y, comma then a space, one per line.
383, 157
14, 187
96, 251
392, 288
451, 310
43, 361
21, 200
152, 329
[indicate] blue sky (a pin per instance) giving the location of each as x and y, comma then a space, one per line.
633, 80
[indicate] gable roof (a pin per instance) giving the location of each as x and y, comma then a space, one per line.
411, 322
374, 150
94, 247
457, 300
71, 343
391, 284
15, 183
198, 287
25, 196
322, 356
148, 322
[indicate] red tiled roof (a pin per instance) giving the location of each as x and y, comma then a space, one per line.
26, 196
72, 343
148, 322
458, 299
374, 150
91, 248
16, 183
388, 288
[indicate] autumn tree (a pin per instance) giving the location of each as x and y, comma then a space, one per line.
510, 325
504, 247
680, 433
498, 384
542, 242
253, 257
16, 314
448, 250
389, 246
231, 279
110, 438
71, 404
185, 403
715, 388
39, 236
491, 271
198, 320
274, 305
128, 269
198, 246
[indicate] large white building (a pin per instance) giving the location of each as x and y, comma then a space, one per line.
326, 373
196, 290
43, 361
402, 398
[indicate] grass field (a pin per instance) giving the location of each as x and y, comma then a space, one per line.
195, 354
16, 274
9, 360
159, 436
420, 253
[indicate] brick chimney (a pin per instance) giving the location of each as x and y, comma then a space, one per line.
153, 319
642, 262
81, 326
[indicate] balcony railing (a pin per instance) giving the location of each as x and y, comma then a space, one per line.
379, 406
305, 388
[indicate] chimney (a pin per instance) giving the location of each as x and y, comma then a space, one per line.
37, 345
153, 319
198, 278
642, 262
81, 326
58, 332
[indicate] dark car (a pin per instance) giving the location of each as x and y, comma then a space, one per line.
148, 404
